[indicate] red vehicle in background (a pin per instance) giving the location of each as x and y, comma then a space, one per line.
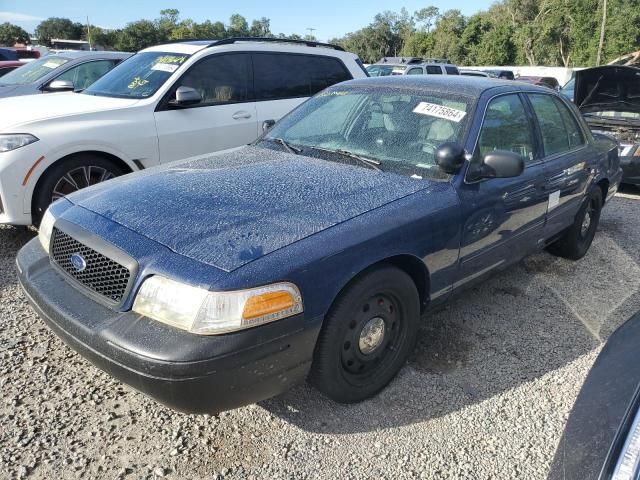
7, 66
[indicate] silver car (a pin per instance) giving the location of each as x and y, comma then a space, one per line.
59, 72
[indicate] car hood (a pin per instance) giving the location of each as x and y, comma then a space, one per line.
231, 208
17, 111
608, 88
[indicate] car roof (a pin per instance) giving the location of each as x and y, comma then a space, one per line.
11, 63
463, 85
190, 47
86, 54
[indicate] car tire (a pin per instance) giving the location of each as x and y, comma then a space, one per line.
576, 240
367, 335
74, 173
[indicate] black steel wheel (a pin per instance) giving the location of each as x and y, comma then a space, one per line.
367, 335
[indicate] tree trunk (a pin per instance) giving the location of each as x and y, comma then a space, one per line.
604, 22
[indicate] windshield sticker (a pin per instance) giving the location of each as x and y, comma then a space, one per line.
165, 67
439, 111
52, 64
137, 83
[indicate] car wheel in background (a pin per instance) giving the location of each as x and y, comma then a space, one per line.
577, 239
367, 336
74, 173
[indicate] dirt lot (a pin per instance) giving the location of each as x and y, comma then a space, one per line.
485, 395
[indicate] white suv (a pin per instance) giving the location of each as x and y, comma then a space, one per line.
165, 103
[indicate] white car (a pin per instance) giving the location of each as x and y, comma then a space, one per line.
165, 103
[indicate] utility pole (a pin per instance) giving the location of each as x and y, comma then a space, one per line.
89, 33
311, 30
602, 27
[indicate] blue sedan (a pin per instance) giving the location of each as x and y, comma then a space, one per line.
317, 251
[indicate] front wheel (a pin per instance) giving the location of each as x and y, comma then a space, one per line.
74, 173
367, 335
576, 240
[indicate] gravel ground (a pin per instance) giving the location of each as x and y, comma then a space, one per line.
486, 394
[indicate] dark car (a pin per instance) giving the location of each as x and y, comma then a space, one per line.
609, 99
15, 54
224, 280
9, 66
602, 436
549, 82
59, 72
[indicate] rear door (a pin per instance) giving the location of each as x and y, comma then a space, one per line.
225, 118
503, 218
284, 80
566, 155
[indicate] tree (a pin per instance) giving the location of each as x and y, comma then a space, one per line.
428, 16
260, 28
209, 30
138, 35
238, 26
11, 34
58, 28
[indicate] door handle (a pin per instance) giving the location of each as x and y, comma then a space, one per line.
240, 115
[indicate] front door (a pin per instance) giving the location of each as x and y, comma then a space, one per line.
225, 118
502, 218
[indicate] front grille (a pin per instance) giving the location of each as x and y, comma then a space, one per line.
101, 274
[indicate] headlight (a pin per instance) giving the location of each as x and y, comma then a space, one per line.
11, 141
200, 311
629, 460
46, 229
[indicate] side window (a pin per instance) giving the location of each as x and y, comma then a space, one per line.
555, 137
415, 71
574, 133
506, 127
452, 71
220, 79
85, 74
279, 76
434, 70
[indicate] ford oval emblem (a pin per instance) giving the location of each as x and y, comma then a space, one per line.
78, 262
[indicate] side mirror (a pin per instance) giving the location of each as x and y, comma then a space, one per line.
268, 125
60, 86
501, 164
185, 97
450, 157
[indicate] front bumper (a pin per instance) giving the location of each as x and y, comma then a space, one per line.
190, 373
630, 170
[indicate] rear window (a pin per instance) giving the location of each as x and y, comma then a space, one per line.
452, 71
279, 76
434, 70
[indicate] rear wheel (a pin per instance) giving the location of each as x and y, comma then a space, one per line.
74, 173
577, 239
367, 335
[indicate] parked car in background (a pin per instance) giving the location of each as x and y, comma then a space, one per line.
602, 437
609, 99
18, 53
224, 280
389, 66
59, 73
502, 74
164, 103
549, 82
474, 73
9, 66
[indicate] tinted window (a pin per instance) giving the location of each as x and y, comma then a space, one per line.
220, 79
415, 71
452, 71
291, 76
434, 70
555, 137
506, 127
574, 133
85, 74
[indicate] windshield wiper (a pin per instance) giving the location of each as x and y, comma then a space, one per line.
369, 162
283, 142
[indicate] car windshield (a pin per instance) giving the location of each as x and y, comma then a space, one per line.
33, 71
140, 76
380, 70
399, 130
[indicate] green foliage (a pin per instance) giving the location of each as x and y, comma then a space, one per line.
11, 34
58, 28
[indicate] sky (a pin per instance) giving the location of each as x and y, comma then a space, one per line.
329, 18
